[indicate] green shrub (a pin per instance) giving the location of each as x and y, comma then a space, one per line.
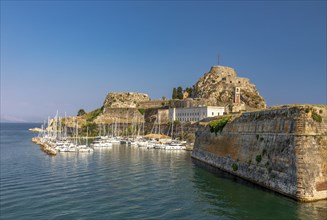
258, 158
93, 114
316, 117
234, 167
176, 122
142, 111
218, 125
81, 112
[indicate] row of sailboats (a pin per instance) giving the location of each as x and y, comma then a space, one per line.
54, 135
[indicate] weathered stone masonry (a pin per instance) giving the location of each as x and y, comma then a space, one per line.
283, 149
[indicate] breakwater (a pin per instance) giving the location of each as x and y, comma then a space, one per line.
45, 147
283, 149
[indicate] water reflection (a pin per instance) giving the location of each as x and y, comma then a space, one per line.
316, 210
227, 193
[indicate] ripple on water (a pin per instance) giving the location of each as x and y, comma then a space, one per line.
127, 182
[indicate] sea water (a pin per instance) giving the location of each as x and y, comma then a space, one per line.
128, 183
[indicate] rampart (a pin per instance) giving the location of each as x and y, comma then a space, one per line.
283, 149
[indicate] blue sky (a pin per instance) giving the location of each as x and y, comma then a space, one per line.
67, 55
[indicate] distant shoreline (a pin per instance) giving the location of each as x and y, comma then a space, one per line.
20, 122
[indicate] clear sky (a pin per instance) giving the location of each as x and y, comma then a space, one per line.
67, 55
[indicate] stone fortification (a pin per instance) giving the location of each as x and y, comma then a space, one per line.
121, 115
124, 100
283, 149
157, 115
219, 85
153, 104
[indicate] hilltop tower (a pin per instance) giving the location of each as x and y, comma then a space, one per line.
237, 96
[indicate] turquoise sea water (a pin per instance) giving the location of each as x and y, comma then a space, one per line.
128, 183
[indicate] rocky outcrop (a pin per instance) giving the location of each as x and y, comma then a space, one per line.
218, 86
120, 115
124, 100
283, 149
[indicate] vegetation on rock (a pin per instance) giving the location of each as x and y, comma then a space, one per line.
141, 110
90, 116
315, 116
234, 167
218, 125
81, 112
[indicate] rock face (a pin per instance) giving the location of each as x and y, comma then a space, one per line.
283, 149
220, 85
124, 100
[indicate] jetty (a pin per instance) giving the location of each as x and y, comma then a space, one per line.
45, 147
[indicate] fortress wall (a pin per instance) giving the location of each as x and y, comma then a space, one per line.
152, 104
283, 149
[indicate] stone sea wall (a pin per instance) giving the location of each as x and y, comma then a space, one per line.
283, 149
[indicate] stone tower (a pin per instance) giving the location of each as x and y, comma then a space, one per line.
237, 96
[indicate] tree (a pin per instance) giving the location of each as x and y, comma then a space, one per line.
174, 95
180, 92
81, 112
189, 90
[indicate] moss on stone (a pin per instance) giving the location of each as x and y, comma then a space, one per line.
234, 167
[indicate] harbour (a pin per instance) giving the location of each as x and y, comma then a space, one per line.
124, 182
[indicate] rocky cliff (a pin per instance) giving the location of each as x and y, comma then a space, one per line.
218, 86
283, 149
124, 100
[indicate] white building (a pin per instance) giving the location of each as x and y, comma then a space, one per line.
194, 114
